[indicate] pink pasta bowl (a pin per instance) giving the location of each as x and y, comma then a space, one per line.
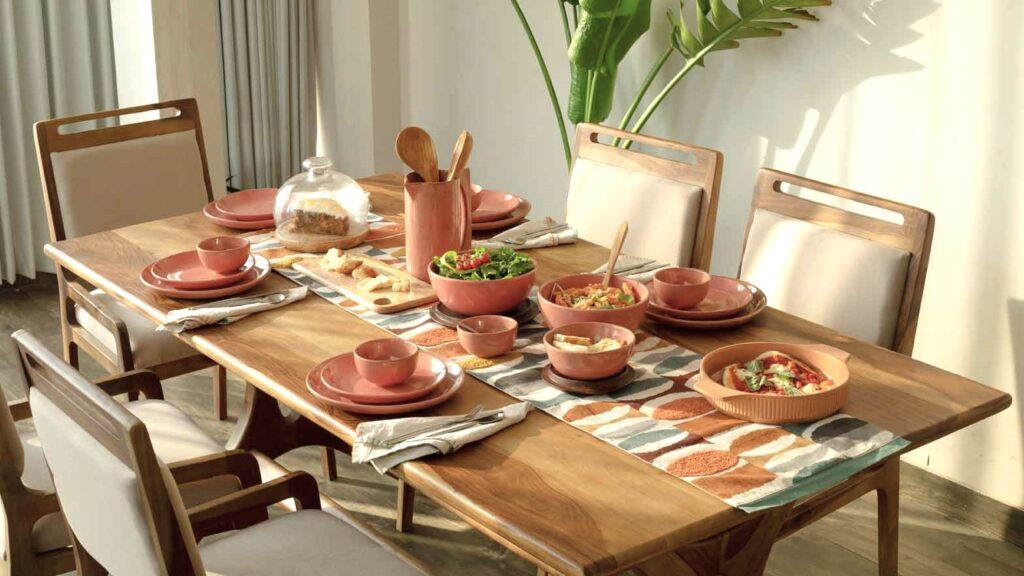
556, 316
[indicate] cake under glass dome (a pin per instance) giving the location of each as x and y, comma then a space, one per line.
320, 209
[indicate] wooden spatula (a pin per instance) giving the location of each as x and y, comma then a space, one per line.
460, 155
616, 249
416, 148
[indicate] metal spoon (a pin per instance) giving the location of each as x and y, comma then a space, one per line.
416, 148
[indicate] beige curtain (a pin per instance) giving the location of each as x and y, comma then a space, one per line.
56, 59
269, 89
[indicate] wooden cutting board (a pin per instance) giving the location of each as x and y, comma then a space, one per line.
381, 301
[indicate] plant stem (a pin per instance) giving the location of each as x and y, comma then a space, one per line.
575, 17
592, 76
565, 22
643, 90
547, 82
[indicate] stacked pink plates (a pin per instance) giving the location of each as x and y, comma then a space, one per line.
496, 210
729, 303
245, 210
337, 382
182, 275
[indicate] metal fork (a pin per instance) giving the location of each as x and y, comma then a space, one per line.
433, 427
481, 421
526, 237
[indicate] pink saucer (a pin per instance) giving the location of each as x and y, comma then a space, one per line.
517, 216
250, 205
727, 297
494, 205
218, 217
184, 270
254, 276
339, 374
449, 386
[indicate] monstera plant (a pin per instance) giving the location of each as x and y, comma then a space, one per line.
603, 31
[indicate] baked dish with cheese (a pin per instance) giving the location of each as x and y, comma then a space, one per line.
777, 374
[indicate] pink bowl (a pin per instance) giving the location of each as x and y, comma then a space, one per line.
386, 362
590, 365
557, 316
488, 336
223, 254
480, 297
682, 287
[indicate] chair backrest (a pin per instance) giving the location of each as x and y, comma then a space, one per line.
856, 264
670, 204
105, 178
123, 509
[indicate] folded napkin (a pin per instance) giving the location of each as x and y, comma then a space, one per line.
228, 311
370, 436
634, 268
538, 240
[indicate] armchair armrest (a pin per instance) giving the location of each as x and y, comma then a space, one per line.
142, 381
80, 295
298, 485
238, 463
20, 409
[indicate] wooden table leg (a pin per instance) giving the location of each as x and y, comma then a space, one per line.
889, 518
404, 508
220, 392
261, 426
742, 551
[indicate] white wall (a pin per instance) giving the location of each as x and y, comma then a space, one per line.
913, 100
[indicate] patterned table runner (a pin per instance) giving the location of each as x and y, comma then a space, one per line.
659, 418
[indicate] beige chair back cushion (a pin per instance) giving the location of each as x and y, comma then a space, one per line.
839, 280
114, 185
98, 493
662, 213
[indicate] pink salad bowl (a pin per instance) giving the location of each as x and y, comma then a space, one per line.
223, 253
557, 316
488, 336
386, 362
481, 297
682, 287
590, 365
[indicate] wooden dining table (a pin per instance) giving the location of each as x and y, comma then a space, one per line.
553, 494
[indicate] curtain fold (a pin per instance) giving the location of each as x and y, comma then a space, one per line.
56, 59
269, 89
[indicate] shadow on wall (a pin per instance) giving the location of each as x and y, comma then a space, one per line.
855, 41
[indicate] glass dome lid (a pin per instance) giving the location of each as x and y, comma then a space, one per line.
321, 208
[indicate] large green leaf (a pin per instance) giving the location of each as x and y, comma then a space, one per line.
607, 30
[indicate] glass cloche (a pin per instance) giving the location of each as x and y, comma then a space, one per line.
321, 209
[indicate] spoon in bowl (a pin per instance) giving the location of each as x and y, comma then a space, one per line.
620, 237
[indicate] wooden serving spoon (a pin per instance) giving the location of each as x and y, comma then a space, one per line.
460, 155
416, 148
620, 237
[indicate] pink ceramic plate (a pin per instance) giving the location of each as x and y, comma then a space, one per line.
339, 374
213, 213
184, 270
253, 277
756, 306
494, 205
449, 386
727, 297
517, 216
249, 205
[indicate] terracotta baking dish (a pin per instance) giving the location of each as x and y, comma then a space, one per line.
776, 409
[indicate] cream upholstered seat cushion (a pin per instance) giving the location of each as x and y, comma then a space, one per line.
175, 437
842, 281
307, 542
662, 213
115, 185
149, 347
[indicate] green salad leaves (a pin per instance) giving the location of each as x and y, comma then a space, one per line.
483, 264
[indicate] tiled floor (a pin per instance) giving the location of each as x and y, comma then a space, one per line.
841, 544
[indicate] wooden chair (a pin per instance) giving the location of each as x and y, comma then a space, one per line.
105, 178
127, 515
670, 204
37, 539
859, 274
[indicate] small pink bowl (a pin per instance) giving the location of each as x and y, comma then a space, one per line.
488, 336
682, 288
386, 362
223, 253
590, 365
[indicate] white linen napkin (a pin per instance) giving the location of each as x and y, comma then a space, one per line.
565, 236
228, 311
370, 436
634, 268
